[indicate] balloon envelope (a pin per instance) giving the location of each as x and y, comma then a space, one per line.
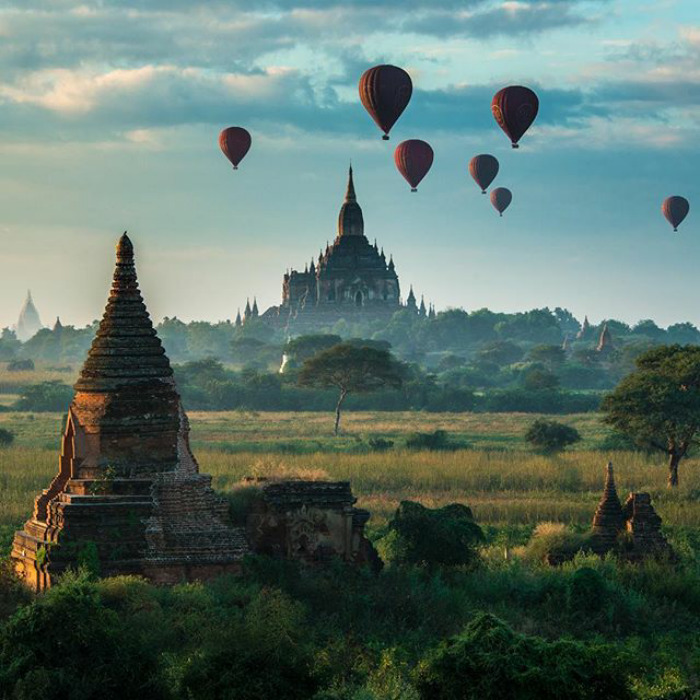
501, 198
385, 91
234, 142
483, 169
413, 159
514, 108
675, 209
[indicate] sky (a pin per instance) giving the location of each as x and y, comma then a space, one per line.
110, 112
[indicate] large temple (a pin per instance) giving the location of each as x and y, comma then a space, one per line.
352, 278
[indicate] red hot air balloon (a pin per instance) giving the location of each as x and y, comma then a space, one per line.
234, 142
385, 91
483, 169
501, 198
515, 108
675, 209
413, 159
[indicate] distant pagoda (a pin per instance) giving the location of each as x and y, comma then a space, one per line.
605, 342
128, 488
29, 323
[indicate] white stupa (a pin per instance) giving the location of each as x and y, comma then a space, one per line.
29, 322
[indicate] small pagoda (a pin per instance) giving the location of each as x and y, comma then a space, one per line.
609, 520
128, 497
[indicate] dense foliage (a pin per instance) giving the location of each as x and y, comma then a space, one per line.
658, 405
551, 436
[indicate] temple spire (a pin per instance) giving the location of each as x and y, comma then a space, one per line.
350, 193
350, 221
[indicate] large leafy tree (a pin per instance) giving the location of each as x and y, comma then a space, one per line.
658, 405
351, 368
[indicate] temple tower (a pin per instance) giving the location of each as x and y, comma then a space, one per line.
128, 493
29, 323
609, 519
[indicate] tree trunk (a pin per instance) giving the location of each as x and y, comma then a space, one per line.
343, 394
673, 462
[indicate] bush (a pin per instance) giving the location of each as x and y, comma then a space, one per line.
264, 655
45, 396
489, 661
437, 440
20, 366
67, 644
555, 544
443, 536
6, 437
379, 444
551, 436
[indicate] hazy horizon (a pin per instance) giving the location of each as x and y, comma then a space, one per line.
110, 115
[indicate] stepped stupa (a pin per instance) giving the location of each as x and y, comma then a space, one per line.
29, 322
128, 496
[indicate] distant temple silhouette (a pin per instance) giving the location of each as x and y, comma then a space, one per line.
351, 279
29, 323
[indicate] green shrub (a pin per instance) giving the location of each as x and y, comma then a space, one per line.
67, 644
443, 536
262, 655
6, 437
45, 396
551, 436
555, 543
379, 444
489, 661
437, 440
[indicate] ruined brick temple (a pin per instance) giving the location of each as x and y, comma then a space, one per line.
633, 530
128, 492
128, 497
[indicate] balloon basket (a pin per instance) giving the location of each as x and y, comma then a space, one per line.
514, 145
235, 167
414, 189
385, 137
483, 191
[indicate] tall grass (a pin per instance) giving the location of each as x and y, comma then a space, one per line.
503, 488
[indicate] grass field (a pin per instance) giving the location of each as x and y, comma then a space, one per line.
498, 476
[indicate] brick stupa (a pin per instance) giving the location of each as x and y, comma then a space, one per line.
128, 497
609, 519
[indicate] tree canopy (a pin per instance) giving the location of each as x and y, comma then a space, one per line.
351, 367
658, 405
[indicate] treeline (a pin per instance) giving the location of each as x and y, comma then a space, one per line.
208, 385
482, 360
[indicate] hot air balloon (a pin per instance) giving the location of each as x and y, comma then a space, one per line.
413, 159
501, 198
675, 209
385, 91
515, 108
234, 142
483, 169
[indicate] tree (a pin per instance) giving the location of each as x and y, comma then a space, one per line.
540, 380
306, 346
551, 436
351, 369
6, 437
551, 355
658, 405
